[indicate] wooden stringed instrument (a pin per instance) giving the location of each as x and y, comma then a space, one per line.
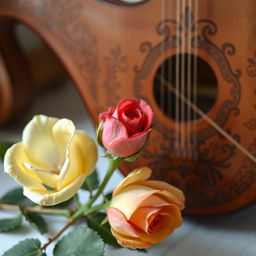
193, 61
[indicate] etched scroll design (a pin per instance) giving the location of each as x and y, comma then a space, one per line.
251, 124
116, 63
251, 69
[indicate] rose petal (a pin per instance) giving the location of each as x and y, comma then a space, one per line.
15, 165
119, 223
133, 177
129, 199
88, 150
83, 154
141, 215
148, 114
154, 201
135, 104
126, 111
129, 242
51, 197
133, 120
62, 133
125, 147
171, 220
46, 178
113, 130
175, 195
47, 138
109, 113
123, 104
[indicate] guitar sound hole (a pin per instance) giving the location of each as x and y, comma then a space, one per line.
196, 85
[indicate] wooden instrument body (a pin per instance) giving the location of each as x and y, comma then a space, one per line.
113, 52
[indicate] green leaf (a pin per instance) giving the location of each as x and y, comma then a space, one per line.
28, 247
15, 196
91, 182
11, 223
104, 231
35, 220
3, 148
80, 242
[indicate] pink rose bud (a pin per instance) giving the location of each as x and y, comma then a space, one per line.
125, 128
144, 212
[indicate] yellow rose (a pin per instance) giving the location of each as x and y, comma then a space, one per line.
144, 212
52, 161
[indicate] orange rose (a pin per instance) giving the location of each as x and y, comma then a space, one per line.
144, 212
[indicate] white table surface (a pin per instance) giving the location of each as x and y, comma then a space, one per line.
232, 234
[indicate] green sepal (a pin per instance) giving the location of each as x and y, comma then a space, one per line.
10, 223
79, 242
107, 197
132, 158
108, 155
28, 247
99, 134
48, 187
35, 220
104, 221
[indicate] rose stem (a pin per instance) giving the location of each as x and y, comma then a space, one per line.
111, 168
95, 208
51, 239
36, 209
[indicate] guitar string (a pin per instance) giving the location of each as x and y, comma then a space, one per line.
177, 82
163, 64
208, 119
189, 82
183, 46
195, 77
169, 73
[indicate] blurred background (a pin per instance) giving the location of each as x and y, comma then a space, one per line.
54, 94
